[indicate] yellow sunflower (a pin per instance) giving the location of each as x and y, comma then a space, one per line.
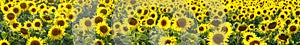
256, 41
30, 4
181, 24
168, 40
37, 24
247, 36
262, 28
24, 32
35, 41
98, 42
16, 9
69, 7
15, 26
132, 22
103, 11
71, 17
124, 29
33, 10
251, 27
202, 28
164, 23
99, 19
272, 25
52, 9
10, 16
5, 8
23, 5
293, 28
283, 38
217, 37
227, 28
27, 24
103, 29
61, 22
117, 25
56, 32
242, 28
42, 6
4, 42
86, 23
150, 22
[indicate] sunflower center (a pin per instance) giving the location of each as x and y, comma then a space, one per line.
28, 24
132, 21
98, 43
218, 38
56, 31
107, 1
163, 22
150, 21
101, 5
4, 43
33, 10
24, 31
181, 22
272, 25
125, 28
50, 1
193, 8
70, 16
216, 23
254, 42
293, 28
47, 17
103, 11
283, 37
225, 29
35, 42
69, 6
288, 21
6, 8
11, 16
37, 24
233, 17
88, 23
15, 25
23, 5
16, 10
297, 12
168, 42
61, 23
220, 13
201, 28
252, 16
139, 11
242, 28
103, 29
98, 20
248, 37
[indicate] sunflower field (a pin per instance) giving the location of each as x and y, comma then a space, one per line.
149, 22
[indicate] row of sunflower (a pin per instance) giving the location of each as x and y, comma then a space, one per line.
149, 22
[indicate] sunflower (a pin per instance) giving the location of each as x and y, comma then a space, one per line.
200, 18
99, 19
139, 10
33, 10
50, 1
42, 6
61, 22
35, 41
168, 40
71, 17
52, 9
56, 32
150, 22
10, 16
43, 12
15, 26
23, 5
27, 24
217, 37
216, 22
296, 13
247, 36
242, 28
106, 1
272, 25
103, 29
117, 25
124, 29
103, 11
293, 28
86, 23
113, 33
69, 6
193, 8
262, 28
251, 27
98, 42
24, 32
4, 42
256, 41
5, 8
227, 28
132, 22
164, 23
202, 28
252, 17
37, 24
181, 23
234, 17
16, 9
30, 4
282, 38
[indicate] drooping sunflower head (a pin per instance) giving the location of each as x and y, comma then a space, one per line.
87, 23
217, 37
24, 32
56, 32
103, 29
35, 41
98, 42
168, 40
247, 36
37, 24
4, 42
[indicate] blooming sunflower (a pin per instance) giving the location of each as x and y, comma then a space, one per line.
247, 36
98, 42
27, 24
15, 26
61, 22
262, 28
4, 42
124, 29
56, 32
168, 40
256, 41
202, 28
71, 17
5, 8
150, 22
37, 24
99, 19
24, 32
283, 38
217, 37
242, 28
103, 11
272, 25
293, 28
10, 16
227, 28
86, 23
181, 24
30, 4
16, 10
69, 6
103, 29
164, 23
132, 22
35, 41
33, 10
117, 25
42, 6
23, 5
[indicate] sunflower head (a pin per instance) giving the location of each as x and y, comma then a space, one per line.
164, 23
98, 42
293, 28
37, 24
99, 19
168, 40
150, 22
56, 32
247, 36
282, 38
15, 26
71, 17
242, 28
35, 41
87, 23
132, 22
27, 24
16, 9
103, 29
181, 23
61, 22
24, 32
10, 16
4, 42
217, 37
255, 41
33, 10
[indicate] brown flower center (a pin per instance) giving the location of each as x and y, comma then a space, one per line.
103, 29
15, 25
60, 22
23, 5
35, 42
255, 42
218, 38
248, 37
272, 25
293, 28
216, 23
150, 21
242, 28
16, 10
88, 23
56, 31
181, 22
11, 16
283, 37
225, 29
132, 21
98, 20
4, 43
103, 11
37, 24
168, 42
28, 24
24, 31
